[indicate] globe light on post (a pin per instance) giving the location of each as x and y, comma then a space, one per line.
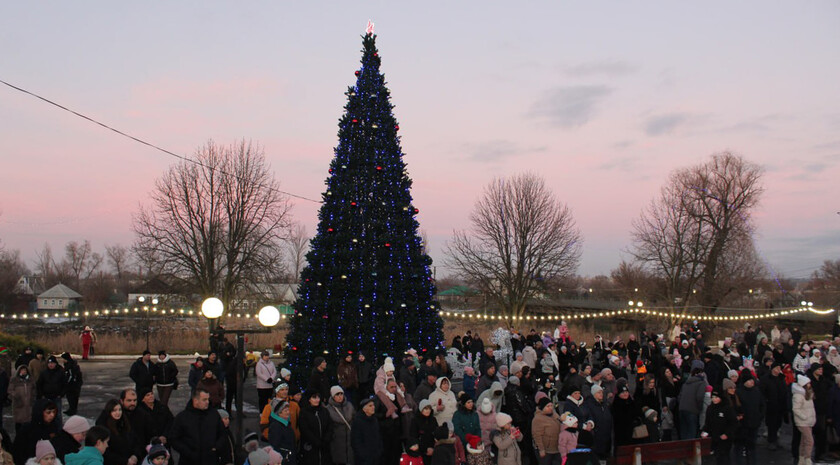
269, 316
212, 307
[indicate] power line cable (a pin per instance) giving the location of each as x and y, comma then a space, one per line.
148, 144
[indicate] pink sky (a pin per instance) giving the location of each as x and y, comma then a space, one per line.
603, 100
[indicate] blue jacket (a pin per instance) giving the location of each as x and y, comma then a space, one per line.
87, 456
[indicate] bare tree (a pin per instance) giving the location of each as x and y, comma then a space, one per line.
11, 269
218, 223
81, 261
119, 258
522, 237
697, 235
298, 245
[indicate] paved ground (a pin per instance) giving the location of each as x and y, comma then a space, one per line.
104, 378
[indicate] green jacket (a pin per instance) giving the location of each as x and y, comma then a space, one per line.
466, 422
87, 456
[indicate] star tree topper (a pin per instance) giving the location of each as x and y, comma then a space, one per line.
369, 28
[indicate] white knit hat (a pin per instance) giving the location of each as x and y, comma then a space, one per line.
596, 389
802, 380
486, 405
335, 390
388, 365
570, 420
502, 419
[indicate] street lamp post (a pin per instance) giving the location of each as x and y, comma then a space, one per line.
142, 300
269, 316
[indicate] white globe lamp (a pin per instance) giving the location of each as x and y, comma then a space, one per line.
212, 307
269, 316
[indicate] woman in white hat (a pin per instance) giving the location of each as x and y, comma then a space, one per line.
804, 416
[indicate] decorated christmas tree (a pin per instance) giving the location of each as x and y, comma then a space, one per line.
368, 285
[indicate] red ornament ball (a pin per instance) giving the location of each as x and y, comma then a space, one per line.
330, 230
379, 168
387, 244
355, 120
397, 127
353, 203
358, 73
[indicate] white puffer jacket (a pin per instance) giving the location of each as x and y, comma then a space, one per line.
446, 399
803, 409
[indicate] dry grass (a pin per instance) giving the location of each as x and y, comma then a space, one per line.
183, 337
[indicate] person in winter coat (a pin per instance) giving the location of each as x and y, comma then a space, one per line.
625, 415
315, 432
422, 430
341, 414
691, 401
496, 395
721, 425
159, 415
800, 362
142, 371
73, 381
567, 441
821, 386
545, 429
834, 405
52, 383
597, 410
319, 381
752, 409
96, 442
211, 384
365, 436
427, 384
22, 394
157, 454
281, 393
280, 434
506, 439
44, 425
37, 364
44, 455
465, 420
487, 420
123, 445
348, 377
71, 437
365, 371
445, 449
774, 390
804, 416
196, 431
444, 403
196, 373
165, 376
266, 373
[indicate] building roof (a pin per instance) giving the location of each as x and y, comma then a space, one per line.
60, 291
457, 291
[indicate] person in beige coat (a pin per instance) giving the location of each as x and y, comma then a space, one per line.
545, 428
444, 403
22, 394
506, 439
804, 416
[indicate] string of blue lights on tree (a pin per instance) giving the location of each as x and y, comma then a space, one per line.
368, 284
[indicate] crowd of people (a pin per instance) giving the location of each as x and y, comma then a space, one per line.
552, 401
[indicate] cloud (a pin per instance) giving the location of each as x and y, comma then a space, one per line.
499, 149
623, 164
602, 68
759, 124
570, 106
665, 124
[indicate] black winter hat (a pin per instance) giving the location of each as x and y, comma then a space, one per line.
441, 432
543, 402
